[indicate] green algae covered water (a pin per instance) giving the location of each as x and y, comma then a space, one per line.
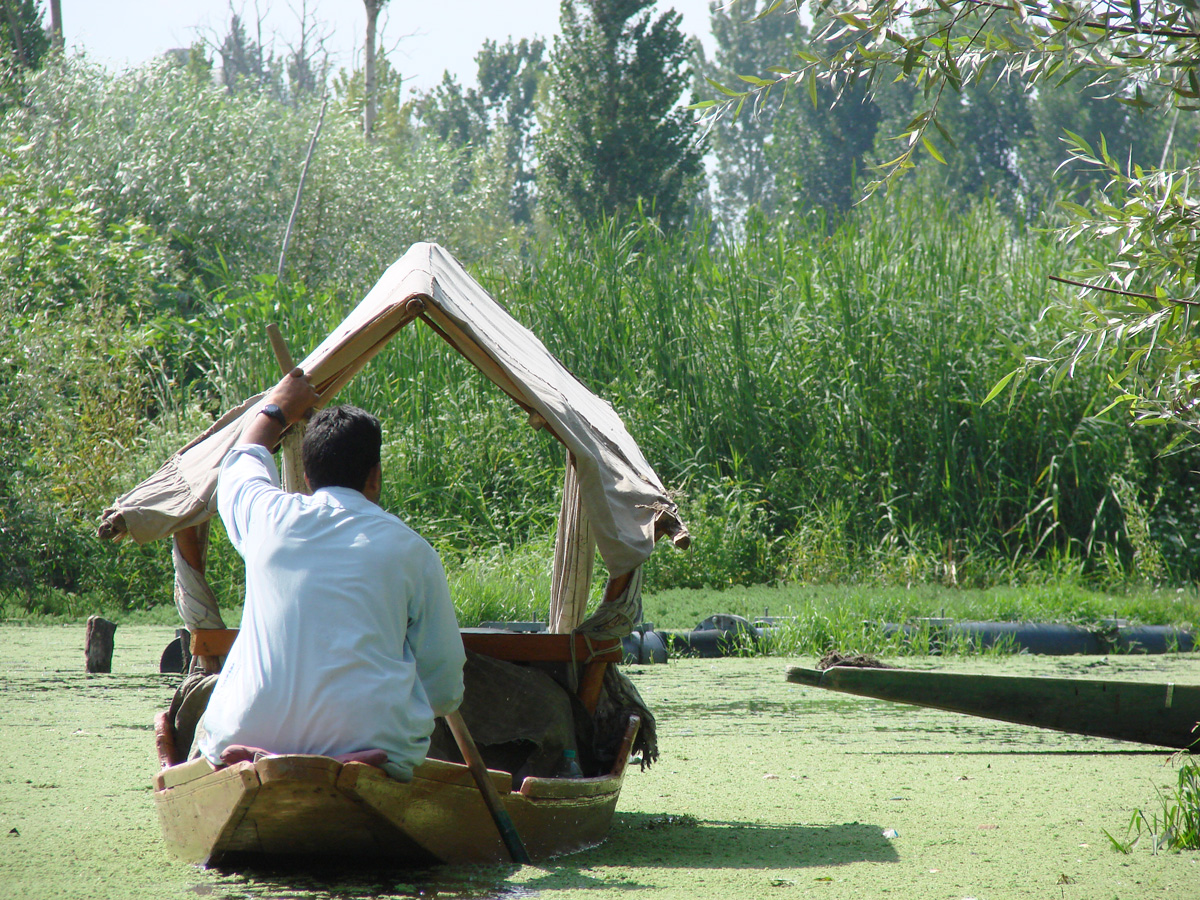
764, 789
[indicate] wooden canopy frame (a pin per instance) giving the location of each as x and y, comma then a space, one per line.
613, 502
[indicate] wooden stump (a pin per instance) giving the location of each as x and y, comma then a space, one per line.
99, 644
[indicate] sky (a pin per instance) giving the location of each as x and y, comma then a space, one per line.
423, 38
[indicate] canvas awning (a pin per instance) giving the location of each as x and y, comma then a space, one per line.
625, 503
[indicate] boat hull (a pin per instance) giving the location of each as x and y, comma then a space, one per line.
1161, 714
315, 808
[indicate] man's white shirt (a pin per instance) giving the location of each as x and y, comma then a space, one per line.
348, 638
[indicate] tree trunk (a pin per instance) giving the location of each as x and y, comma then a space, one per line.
56, 32
373, 7
15, 27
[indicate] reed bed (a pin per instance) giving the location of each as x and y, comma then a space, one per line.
813, 395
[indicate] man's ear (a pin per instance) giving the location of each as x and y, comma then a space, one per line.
373, 489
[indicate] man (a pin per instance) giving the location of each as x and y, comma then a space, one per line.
348, 639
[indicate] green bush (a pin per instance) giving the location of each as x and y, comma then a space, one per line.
218, 173
76, 367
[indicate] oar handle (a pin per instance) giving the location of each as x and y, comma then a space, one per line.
470, 753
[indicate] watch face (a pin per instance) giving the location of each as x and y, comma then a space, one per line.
273, 411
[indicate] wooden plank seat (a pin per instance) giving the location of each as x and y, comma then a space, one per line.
509, 646
514, 646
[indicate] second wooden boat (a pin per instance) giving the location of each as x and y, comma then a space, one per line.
1162, 714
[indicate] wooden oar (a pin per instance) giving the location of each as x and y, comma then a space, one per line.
470, 753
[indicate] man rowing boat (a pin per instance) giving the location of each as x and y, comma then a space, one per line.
348, 639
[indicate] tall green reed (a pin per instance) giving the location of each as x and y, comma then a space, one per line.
813, 396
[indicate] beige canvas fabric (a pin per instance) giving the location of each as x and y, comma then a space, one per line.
620, 494
574, 554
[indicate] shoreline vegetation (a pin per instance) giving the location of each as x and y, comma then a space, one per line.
810, 387
815, 619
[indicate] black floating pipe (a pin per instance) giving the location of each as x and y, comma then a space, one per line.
734, 637
730, 635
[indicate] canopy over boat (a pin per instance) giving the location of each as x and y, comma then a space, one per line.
626, 505
613, 501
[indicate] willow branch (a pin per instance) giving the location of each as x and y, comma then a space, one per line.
1108, 290
1105, 26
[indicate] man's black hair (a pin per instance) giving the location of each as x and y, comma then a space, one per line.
341, 446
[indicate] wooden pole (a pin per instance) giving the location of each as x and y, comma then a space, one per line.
504, 822
98, 645
293, 439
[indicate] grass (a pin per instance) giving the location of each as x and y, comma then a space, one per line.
1053, 603
817, 618
1178, 828
514, 585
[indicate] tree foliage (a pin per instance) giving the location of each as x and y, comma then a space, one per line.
217, 173
23, 40
825, 146
501, 107
744, 178
248, 61
613, 133
79, 295
23, 46
1135, 298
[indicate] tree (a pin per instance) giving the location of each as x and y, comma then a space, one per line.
503, 104
1136, 295
24, 40
308, 59
23, 44
391, 126
1095, 113
789, 151
246, 62
612, 133
744, 177
991, 122
823, 144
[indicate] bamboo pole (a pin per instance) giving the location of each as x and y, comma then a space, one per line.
292, 442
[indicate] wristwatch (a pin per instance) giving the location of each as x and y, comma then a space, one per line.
272, 411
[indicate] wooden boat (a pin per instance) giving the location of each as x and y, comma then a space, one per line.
313, 807
613, 504
316, 808
1165, 715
